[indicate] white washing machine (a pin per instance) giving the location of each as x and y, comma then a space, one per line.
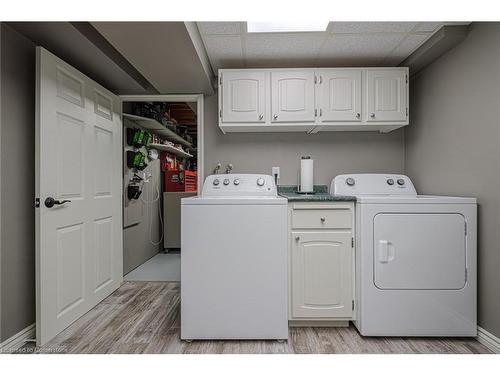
415, 258
234, 260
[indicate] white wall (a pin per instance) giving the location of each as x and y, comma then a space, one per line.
453, 145
333, 153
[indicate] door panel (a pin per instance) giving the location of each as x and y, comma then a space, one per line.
78, 243
321, 275
419, 251
243, 96
292, 96
340, 95
386, 95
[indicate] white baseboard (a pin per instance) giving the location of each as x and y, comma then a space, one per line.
19, 339
488, 339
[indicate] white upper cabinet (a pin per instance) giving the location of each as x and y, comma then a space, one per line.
386, 95
243, 96
292, 96
339, 95
313, 99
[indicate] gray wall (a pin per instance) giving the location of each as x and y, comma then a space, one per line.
333, 153
17, 162
453, 145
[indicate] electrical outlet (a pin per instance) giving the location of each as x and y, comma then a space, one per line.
276, 172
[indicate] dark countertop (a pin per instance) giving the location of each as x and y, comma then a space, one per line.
321, 195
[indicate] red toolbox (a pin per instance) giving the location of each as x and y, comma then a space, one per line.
180, 181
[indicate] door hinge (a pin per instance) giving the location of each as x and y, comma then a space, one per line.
352, 305
406, 77
315, 79
320, 79
406, 111
465, 228
316, 112
352, 242
466, 275
220, 80
37, 202
220, 113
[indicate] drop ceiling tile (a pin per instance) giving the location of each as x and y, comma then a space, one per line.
289, 46
406, 48
224, 51
217, 28
358, 49
371, 27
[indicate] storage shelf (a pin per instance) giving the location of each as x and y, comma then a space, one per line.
171, 149
157, 128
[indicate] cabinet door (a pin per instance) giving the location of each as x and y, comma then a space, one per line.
292, 96
386, 95
321, 275
339, 93
243, 96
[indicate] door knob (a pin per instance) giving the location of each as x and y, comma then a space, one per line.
261, 117
297, 238
275, 117
323, 219
358, 115
51, 202
372, 115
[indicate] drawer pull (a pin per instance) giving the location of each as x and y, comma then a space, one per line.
323, 219
297, 238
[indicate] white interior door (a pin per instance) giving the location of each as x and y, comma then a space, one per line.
78, 157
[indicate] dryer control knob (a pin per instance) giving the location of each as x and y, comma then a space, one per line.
390, 181
236, 182
216, 182
350, 181
226, 182
401, 182
260, 181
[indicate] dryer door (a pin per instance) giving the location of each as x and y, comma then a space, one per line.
419, 251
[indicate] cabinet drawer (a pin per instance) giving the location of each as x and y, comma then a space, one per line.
331, 218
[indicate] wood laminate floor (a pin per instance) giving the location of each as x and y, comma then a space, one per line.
143, 317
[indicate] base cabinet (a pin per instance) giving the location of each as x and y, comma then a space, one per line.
321, 263
321, 275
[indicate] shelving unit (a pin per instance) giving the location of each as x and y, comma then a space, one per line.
171, 149
157, 128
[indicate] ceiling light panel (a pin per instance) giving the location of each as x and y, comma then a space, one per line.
286, 27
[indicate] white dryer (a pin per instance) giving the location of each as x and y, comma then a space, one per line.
415, 258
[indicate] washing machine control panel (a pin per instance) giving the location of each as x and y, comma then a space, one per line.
239, 185
372, 184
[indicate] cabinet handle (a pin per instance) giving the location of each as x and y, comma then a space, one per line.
372, 115
261, 117
297, 238
323, 219
275, 117
358, 115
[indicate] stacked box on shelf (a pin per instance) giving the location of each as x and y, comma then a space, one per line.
176, 181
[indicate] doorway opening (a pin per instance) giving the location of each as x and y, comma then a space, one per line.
162, 163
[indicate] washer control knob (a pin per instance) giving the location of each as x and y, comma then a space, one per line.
401, 182
260, 181
350, 181
226, 181
236, 181
390, 181
216, 182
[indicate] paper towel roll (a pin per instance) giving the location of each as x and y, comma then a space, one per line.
306, 175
